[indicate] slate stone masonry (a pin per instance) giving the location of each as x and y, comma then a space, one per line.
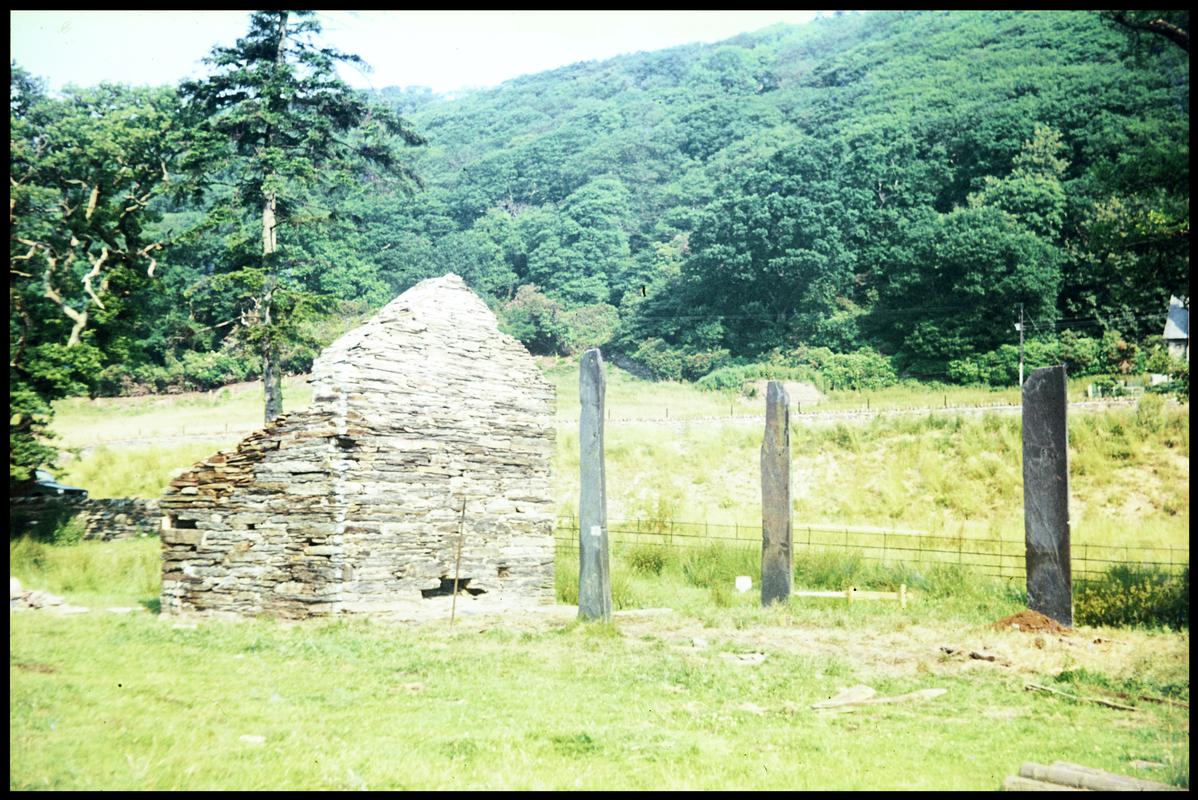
352, 505
103, 519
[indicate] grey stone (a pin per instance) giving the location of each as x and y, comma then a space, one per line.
777, 574
594, 576
1046, 494
353, 503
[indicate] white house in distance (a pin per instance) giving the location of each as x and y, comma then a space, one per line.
1177, 329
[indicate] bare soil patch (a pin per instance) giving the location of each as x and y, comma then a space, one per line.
1031, 621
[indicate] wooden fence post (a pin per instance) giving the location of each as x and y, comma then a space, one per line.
1046, 494
594, 576
777, 572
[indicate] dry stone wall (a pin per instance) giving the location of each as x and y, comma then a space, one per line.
355, 504
103, 519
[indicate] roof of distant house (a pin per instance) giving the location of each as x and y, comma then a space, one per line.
1177, 326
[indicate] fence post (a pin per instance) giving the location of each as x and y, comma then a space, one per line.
1046, 494
594, 577
777, 571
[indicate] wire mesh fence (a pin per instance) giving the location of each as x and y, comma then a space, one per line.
1000, 558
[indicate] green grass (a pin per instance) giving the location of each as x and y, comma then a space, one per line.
140, 702
223, 414
943, 473
101, 701
109, 471
629, 397
126, 572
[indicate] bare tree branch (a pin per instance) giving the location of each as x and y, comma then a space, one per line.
1159, 26
91, 202
97, 265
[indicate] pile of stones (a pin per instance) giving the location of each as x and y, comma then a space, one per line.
22, 599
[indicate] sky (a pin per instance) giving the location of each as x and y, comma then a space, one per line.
444, 50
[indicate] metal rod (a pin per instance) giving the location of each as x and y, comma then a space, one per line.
457, 567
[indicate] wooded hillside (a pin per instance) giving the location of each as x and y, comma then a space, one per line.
876, 195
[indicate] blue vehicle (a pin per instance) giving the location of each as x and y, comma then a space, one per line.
44, 484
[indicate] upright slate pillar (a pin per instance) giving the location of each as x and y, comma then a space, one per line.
1046, 494
777, 574
594, 575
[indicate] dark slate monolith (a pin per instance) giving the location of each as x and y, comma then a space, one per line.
1046, 494
594, 576
777, 575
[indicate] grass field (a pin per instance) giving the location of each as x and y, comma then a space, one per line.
938, 472
714, 694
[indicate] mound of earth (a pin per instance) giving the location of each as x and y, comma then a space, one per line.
1032, 621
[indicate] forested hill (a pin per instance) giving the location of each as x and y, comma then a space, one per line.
880, 193
895, 181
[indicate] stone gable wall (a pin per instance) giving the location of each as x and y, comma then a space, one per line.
355, 504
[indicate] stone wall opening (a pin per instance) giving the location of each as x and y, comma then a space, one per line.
446, 589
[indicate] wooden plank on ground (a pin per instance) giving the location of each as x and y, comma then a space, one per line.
1088, 778
1141, 784
1099, 700
1015, 783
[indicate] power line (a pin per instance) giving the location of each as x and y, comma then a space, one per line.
1113, 319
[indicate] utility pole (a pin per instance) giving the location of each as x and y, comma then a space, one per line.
1019, 327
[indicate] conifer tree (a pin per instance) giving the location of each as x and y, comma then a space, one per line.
275, 121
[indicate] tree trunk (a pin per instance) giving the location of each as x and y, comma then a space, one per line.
272, 381
272, 378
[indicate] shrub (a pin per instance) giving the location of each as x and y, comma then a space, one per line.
713, 565
828, 570
589, 326
1000, 367
647, 559
696, 365
56, 523
202, 371
659, 358
1080, 354
735, 377
861, 369
536, 320
1129, 595
1106, 386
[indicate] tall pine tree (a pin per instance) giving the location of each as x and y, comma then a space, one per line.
277, 127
